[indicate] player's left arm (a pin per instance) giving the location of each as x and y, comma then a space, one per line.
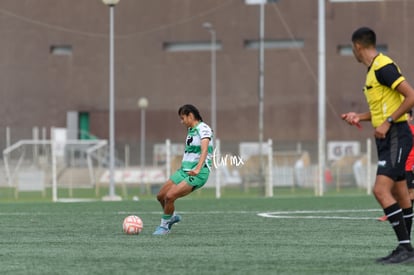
204, 152
407, 91
390, 76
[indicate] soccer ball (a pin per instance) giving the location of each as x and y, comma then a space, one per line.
132, 225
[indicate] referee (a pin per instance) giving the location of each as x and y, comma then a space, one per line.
389, 97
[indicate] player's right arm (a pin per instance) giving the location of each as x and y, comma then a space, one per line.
353, 118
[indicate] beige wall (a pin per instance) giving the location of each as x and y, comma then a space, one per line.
38, 88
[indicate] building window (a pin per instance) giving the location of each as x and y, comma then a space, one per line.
61, 49
190, 46
274, 44
346, 50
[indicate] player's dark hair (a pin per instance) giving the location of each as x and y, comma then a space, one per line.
365, 36
187, 109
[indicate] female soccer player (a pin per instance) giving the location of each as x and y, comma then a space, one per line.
195, 167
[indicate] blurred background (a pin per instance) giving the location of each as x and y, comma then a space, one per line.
251, 67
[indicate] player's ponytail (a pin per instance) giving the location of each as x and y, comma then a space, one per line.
187, 109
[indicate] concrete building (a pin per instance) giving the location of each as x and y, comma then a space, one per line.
54, 59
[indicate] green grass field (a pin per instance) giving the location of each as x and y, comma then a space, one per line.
311, 235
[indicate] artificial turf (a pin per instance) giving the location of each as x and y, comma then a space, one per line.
310, 235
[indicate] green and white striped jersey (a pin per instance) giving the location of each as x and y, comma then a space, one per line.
193, 146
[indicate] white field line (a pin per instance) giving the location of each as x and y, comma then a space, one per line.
313, 214
297, 214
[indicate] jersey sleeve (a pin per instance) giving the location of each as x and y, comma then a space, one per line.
389, 75
205, 131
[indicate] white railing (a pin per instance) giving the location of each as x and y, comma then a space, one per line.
54, 147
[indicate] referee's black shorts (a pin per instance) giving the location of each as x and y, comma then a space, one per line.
393, 151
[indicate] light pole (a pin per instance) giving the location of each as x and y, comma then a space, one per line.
212, 31
142, 105
112, 196
321, 96
261, 96
262, 3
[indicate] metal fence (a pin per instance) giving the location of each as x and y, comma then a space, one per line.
238, 166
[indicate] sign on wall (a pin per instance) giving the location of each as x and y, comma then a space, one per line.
339, 149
